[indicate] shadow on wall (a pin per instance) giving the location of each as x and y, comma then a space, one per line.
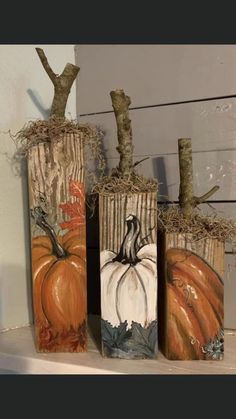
91, 165
27, 235
93, 262
36, 99
13, 287
159, 172
15, 280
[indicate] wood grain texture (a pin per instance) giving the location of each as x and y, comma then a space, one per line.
113, 210
128, 256
51, 166
210, 250
191, 297
58, 244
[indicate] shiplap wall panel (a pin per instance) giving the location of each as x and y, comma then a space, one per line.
211, 125
153, 74
210, 169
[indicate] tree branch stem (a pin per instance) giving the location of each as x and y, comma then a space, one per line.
203, 198
62, 84
45, 64
121, 103
187, 199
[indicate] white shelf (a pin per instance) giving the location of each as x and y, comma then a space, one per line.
18, 354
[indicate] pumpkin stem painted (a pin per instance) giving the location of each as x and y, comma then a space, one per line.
129, 247
39, 216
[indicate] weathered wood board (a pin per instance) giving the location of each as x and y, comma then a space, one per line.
128, 269
191, 297
58, 244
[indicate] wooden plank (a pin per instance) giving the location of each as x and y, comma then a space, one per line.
230, 291
191, 297
153, 73
51, 166
128, 256
58, 244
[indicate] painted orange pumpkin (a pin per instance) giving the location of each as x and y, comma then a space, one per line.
194, 305
59, 277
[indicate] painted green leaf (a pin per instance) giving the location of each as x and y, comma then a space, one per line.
114, 336
144, 340
214, 349
138, 342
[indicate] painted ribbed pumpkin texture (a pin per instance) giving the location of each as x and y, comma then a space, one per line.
129, 297
128, 290
195, 307
59, 283
59, 278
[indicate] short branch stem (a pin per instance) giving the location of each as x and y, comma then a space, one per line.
62, 84
187, 200
203, 198
121, 103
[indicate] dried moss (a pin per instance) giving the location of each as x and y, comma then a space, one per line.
171, 220
52, 130
131, 183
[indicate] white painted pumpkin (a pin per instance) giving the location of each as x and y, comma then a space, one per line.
129, 280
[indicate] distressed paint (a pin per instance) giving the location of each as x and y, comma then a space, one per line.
128, 256
128, 292
50, 168
58, 244
191, 309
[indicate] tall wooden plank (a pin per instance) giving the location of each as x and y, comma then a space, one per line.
128, 257
191, 297
58, 244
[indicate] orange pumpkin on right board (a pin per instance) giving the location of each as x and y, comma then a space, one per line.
194, 328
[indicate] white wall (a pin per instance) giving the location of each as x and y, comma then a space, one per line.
155, 74
21, 74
